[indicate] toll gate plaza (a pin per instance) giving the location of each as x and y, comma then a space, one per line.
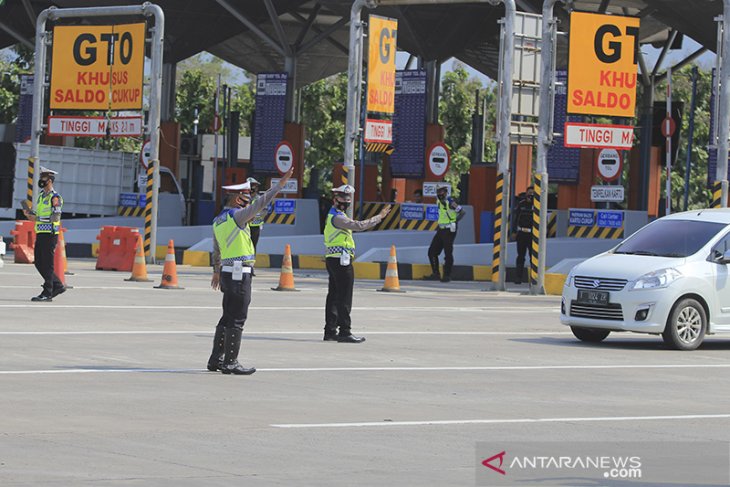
107, 386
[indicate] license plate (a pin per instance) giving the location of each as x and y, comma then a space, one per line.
593, 297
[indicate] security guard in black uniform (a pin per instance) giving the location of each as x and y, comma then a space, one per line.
449, 214
233, 261
339, 253
522, 230
47, 218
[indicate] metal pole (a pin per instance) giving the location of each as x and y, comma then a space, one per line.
668, 161
690, 137
216, 122
39, 79
723, 125
154, 121
545, 133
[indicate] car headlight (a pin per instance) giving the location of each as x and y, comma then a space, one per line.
656, 279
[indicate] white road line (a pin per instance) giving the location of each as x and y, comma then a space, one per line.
531, 309
506, 368
505, 421
280, 332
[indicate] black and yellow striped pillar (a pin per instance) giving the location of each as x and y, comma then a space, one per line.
31, 172
716, 195
535, 249
498, 210
345, 175
148, 253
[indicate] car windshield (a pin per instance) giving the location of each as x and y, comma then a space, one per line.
670, 238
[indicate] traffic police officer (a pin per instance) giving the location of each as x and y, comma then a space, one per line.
340, 251
449, 213
233, 261
522, 230
47, 218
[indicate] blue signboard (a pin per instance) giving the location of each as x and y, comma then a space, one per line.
411, 212
582, 218
610, 219
432, 213
563, 163
285, 207
128, 200
23, 126
268, 124
409, 125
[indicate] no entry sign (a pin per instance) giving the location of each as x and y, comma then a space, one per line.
283, 156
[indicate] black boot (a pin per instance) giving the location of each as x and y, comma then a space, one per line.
215, 362
330, 335
232, 346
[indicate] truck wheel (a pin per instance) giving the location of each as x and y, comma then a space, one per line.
686, 326
590, 335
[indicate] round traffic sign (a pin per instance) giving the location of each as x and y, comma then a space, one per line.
668, 127
438, 159
283, 156
146, 154
609, 164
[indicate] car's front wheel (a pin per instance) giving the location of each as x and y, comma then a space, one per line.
686, 326
591, 335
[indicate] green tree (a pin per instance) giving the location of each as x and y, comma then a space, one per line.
13, 62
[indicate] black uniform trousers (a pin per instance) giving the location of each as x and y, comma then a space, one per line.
524, 243
44, 251
255, 234
236, 299
442, 241
339, 297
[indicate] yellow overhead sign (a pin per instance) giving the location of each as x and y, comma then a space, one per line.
602, 65
97, 67
381, 64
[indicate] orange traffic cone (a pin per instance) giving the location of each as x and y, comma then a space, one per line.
286, 279
169, 271
392, 284
58, 265
139, 269
62, 243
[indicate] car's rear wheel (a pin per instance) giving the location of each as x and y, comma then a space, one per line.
590, 335
686, 326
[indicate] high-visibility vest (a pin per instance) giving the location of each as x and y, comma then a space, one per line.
337, 240
44, 211
446, 214
234, 242
258, 220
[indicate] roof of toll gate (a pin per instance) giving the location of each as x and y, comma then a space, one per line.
248, 33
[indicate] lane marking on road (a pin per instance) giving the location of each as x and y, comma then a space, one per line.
510, 309
280, 332
500, 368
597, 419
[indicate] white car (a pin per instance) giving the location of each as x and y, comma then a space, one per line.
671, 278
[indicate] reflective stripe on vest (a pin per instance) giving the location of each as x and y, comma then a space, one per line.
234, 242
337, 240
258, 219
44, 211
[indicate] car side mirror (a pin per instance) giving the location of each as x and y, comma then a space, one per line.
725, 259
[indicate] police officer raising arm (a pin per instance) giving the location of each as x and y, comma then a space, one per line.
340, 251
233, 261
47, 218
450, 212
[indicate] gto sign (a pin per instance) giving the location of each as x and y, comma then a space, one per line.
602, 67
97, 67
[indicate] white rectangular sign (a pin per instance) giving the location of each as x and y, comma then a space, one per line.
378, 131
95, 126
607, 193
291, 186
429, 189
620, 137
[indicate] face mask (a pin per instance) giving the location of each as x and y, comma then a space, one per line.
342, 205
441, 196
42, 183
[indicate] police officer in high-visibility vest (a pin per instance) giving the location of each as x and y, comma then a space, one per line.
233, 261
449, 214
47, 218
339, 253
